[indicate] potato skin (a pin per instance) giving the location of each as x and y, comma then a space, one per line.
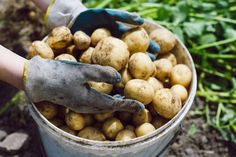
124, 116
60, 38
163, 69
181, 74
141, 66
125, 77
139, 90
142, 117
47, 109
137, 40
88, 119
66, 57
82, 40
92, 133
112, 127
103, 116
98, 35
170, 56
155, 83
40, 48
111, 52
144, 129
86, 56
67, 129
180, 91
159, 121
101, 87
125, 135
75, 121
166, 103
164, 38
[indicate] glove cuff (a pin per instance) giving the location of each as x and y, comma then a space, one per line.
63, 13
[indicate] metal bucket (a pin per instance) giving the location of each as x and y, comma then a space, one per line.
58, 143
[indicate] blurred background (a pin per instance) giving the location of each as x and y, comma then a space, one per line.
208, 29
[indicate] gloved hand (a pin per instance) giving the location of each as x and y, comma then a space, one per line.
65, 83
74, 14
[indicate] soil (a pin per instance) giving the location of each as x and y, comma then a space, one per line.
21, 23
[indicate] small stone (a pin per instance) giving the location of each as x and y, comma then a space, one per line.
189, 151
14, 142
204, 139
3, 134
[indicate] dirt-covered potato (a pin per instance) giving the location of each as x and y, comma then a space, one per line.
130, 127
111, 52
181, 74
75, 121
155, 83
137, 40
159, 121
101, 87
88, 119
60, 38
170, 56
180, 91
125, 135
139, 90
66, 57
144, 129
164, 38
92, 133
68, 130
166, 103
98, 35
141, 66
163, 69
86, 56
82, 40
103, 116
142, 117
125, 77
112, 127
124, 116
47, 109
40, 48
57, 122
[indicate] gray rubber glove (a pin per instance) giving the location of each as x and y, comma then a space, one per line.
65, 83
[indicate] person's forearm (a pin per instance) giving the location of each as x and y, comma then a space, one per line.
42, 4
11, 68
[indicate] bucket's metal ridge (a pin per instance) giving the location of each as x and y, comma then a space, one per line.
58, 143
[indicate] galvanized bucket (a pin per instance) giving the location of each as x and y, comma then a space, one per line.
58, 143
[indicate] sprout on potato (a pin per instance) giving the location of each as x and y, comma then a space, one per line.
125, 135
163, 69
144, 129
82, 40
47, 109
75, 121
180, 91
92, 133
98, 35
86, 56
40, 48
112, 127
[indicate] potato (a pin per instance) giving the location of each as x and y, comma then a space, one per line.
101, 87
141, 66
57, 122
164, 38
142, 117
75, 121
124, 116
60, 38
103, 116
68, 130
40, 48
86, 56
130, 127
152, 110
159, 121
88, 119
98, 35
112, 127
111, 52
92, 133
47, 109
71, 50
144, 129
170, 56
125, 77
139, 90
66, 57
181, 74
180, 91
156, 84
82, 40
163, 69
125, 135
137, 40
166, 103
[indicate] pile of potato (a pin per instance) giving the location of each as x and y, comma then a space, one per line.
161, 85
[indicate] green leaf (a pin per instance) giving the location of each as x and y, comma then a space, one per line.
164, 13
180, 12
179, 32
192, 130
230, 33
207, 38
193, 29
